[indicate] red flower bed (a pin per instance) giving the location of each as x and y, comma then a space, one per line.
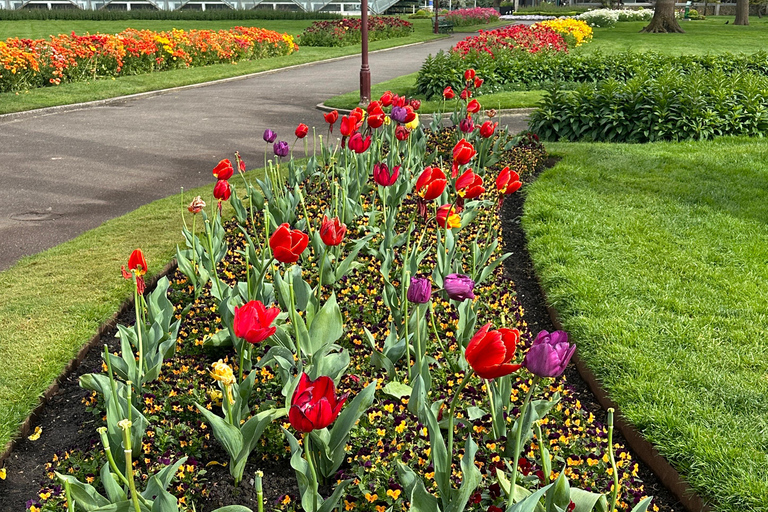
346, 31
532, 39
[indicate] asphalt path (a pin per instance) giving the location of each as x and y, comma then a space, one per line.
63, 173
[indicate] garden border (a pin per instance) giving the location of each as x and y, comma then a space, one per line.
667, 475
73, 364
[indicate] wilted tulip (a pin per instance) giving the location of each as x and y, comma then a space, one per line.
281, 148
448, 93
382, 176
431, 183
223, 170
196, 205
314, 404
466, 125
222, 190
478, 82
269, 136
222, 372
137, 262
549, 354
465, 94
402, 133
489, 352
508, 181
448, 216
301, 131
287, 244
332, 231
420, 290
459, 287
253, 321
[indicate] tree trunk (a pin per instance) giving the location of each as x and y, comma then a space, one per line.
663, 20
742, 12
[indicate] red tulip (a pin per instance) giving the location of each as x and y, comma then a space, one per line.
431, 183
357, 114
449, 215
508, 181
223, 170
469, 74
374, 107
478, 82
287, 245
448, 93
401, 132
358, 144
314, 404
410, 115
487, 129
348, 126
466, 94
463, 152
137, 262
382, 176
332, 231
331, 118
253, 321
221, 190
489, 352
416, 104
469, 185
376, 120
398, 101
386, 98
301, 131
473, 107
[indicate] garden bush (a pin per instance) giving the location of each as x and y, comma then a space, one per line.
476, 16
609, 17
152, 14
646, 108
26, 63
346, 32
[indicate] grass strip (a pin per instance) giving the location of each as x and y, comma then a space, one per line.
53, 302
406, 85
654, 257
78, 92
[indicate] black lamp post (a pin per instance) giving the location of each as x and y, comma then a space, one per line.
365, 71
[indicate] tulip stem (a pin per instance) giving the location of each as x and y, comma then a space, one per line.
432, 316
293, 314
308, 450
68, 493
405, 323
518, 436
320, 282
242, 360
129, 467
259, 474
452, 409
417, 356
492, 402
139, 329
209, 232
615, 490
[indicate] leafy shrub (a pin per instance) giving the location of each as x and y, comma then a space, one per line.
669, 106
476, 16
149, 14
346, 32
551, 9
421, 14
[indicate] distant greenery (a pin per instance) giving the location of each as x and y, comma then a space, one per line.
552, 10
148, 14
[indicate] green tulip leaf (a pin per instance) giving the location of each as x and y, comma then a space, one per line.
470, 478
84, 494
228, 435
162, 479
643, 505
530, 502
397, 389
586, 501
326, 328
415, 492
109, 480
559, 496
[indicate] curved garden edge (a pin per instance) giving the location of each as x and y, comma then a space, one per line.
663, 470
73, 364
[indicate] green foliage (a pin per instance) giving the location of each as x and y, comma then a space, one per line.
671, 106
553, 10
149, 14
346, 31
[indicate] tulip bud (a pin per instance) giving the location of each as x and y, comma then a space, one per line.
196, 205
281, 148
269, 136
382, 176
420, 290
301, 131
459, 287
222, 191
466, 125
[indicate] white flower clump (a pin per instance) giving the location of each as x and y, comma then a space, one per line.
609, 17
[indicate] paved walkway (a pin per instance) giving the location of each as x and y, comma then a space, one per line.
67, 172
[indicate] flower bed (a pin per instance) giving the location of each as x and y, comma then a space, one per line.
575, 32
475, 16
353, 322
26, 63
609, 17
346, 32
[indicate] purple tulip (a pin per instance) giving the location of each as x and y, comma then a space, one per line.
549, 354
399, 114
459, 287
466, 125
420, 290
281, 148
269, 136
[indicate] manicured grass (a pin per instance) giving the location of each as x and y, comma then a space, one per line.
53, 302
406, 85
655, 258
707, 36
88, 91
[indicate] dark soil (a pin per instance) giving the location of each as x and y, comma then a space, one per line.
529, 293
66, 424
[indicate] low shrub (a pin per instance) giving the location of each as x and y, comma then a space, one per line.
27, 63
575, 32
150, 14
670, 106
346, 32
476, 16
635, 14
553, 10
421, 14
609, 17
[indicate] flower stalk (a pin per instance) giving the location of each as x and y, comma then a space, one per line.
518, 437
452, 409
615, 490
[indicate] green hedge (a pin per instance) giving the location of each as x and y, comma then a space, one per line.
515, 69
147, 14
671, 106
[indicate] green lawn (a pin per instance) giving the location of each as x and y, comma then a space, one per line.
77, 92
708, 36
655, 258
54, 302
406, 85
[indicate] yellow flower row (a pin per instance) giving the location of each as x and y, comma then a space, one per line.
578, 29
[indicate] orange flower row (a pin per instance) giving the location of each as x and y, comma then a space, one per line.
27, 63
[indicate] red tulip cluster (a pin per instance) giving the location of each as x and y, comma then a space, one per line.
349, 130
529, 38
